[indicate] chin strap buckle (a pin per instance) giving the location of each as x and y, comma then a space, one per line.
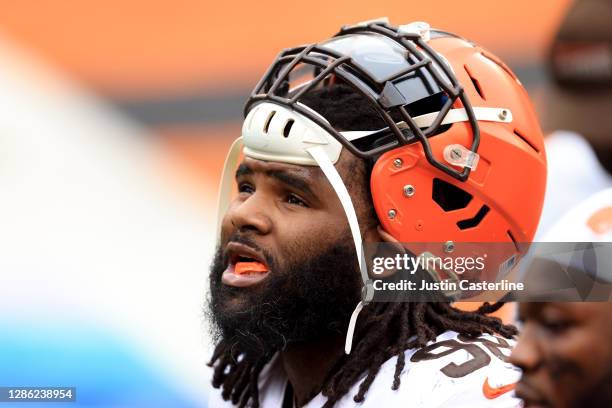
460, 156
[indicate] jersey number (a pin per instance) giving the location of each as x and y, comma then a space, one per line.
471, 345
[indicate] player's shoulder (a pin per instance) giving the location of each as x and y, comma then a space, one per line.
452, 371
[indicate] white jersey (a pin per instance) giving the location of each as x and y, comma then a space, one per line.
574, 174
590, 221
452, 371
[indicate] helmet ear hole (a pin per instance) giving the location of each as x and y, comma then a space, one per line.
448, 196
474, 221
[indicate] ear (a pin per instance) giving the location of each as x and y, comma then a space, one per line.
377, 235
390, 240
380, 244
371, 235
385, 236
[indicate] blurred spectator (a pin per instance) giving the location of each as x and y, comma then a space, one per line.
579, 108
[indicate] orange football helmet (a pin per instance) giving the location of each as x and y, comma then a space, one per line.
461, 159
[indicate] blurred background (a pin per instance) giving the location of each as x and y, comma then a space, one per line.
115, 117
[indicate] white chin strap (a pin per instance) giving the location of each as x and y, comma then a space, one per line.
340, 188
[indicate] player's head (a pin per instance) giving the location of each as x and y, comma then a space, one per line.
580, 62
288, 218
378, 134
565, 348
565, 352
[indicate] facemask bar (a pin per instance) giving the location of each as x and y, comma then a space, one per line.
382, 94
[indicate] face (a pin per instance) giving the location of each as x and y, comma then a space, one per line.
565, 352
288, 222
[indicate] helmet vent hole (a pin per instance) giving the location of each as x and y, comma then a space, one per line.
267, 124
475, 83
500, 64
524, 139
448, 196
287, 127
473, 222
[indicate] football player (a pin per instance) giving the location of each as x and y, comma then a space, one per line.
565, 348
565, 353
378, 134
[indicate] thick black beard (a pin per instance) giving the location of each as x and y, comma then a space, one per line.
306, 301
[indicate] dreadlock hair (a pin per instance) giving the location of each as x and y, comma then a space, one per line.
408, 324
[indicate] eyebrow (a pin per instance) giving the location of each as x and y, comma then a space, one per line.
243, 170
291, 180
280, 175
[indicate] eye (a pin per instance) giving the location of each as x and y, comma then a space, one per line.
295, 200
554, 320
245, 188
555, 325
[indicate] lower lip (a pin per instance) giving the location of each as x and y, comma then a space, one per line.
231, 278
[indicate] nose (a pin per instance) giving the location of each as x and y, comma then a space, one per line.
527, 353
250, 214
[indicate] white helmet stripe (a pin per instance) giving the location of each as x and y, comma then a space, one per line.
453, 116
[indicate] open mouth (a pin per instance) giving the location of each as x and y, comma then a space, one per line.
246, 266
